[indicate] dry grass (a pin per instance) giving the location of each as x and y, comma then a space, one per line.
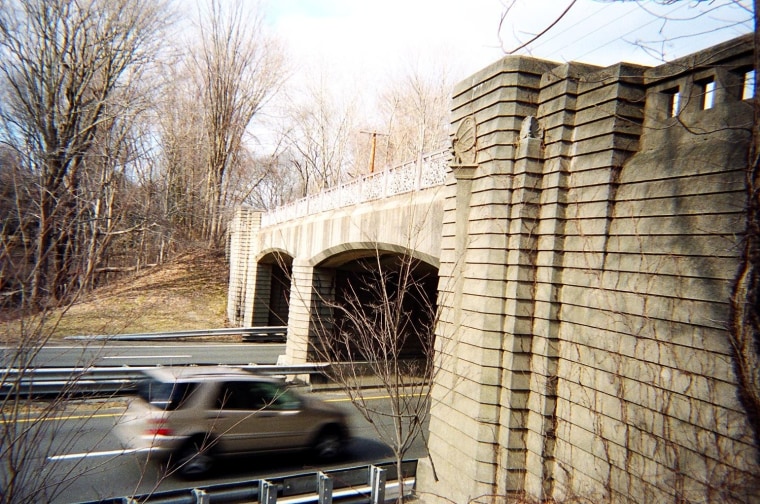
188, 292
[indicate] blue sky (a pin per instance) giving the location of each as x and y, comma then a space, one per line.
372, 38
357, 48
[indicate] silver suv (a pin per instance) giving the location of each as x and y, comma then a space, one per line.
191, 415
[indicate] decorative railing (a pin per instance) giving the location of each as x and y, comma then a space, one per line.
428, 171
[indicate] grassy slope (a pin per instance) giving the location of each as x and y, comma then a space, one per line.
188, 292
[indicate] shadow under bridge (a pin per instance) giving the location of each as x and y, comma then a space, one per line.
376, 305
364, 305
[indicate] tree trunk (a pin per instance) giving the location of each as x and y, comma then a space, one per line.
42, 250
745, 299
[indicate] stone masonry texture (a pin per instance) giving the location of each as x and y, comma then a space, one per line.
602, 369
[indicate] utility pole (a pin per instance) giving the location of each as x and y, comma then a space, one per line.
373, 148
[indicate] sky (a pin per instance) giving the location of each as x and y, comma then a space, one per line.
362, 39
360, 48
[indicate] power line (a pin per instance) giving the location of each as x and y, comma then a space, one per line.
600, 46
598, 12
636, 29
575, 33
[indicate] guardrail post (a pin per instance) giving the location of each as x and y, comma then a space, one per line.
267, 492
325, 488
377, 477
200, 496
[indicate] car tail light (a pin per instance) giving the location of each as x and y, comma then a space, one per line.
157, 427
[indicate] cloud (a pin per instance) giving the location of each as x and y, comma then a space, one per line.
372, 38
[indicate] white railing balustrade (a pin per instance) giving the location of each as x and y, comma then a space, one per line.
428, 171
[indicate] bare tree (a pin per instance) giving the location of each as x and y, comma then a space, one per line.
236, 68
317, 137
32, 428
181, 137
63, 63
16, 204
69, 100
260, 182
416, 112
745, 320
380, 329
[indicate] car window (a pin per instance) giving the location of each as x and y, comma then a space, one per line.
248, 395
167, 396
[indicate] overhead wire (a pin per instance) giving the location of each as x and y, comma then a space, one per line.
635, 29
600, 46
577, 26
546, 40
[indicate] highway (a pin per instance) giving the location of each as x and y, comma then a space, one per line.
166, 353
81, 459
74, 455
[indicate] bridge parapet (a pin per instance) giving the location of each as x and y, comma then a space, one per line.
427, 171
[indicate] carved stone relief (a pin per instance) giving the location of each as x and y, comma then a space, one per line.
464, 142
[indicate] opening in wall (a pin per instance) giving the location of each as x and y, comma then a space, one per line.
706, 90
748, 87
674, 101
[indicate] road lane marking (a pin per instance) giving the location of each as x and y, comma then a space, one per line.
189, 345
116, 453
371, 398
120, 413
63, 418
156, 356
109, 453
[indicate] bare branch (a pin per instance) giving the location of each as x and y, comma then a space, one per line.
541, 33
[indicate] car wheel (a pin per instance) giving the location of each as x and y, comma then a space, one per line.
328, 444
194, 459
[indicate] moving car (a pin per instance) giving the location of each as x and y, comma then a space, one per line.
192, 415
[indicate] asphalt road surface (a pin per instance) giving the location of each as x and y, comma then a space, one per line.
112, 353
82, 459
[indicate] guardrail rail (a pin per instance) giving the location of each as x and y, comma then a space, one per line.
374, 484
109, 380
263, 333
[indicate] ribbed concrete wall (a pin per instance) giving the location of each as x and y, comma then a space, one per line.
586, 265
242, 231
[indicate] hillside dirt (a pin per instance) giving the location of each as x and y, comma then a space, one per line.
184, 293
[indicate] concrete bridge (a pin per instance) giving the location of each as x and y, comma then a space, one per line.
584, 235
310, 242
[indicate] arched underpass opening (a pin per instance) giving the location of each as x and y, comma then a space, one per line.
384, 307
273, 304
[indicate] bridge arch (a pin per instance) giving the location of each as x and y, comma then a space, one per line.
344, 251
351, 279
269, 253
407, 225
271, 303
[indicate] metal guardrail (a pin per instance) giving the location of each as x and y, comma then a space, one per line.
111, 380
375, 484
249, 334
270, 333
